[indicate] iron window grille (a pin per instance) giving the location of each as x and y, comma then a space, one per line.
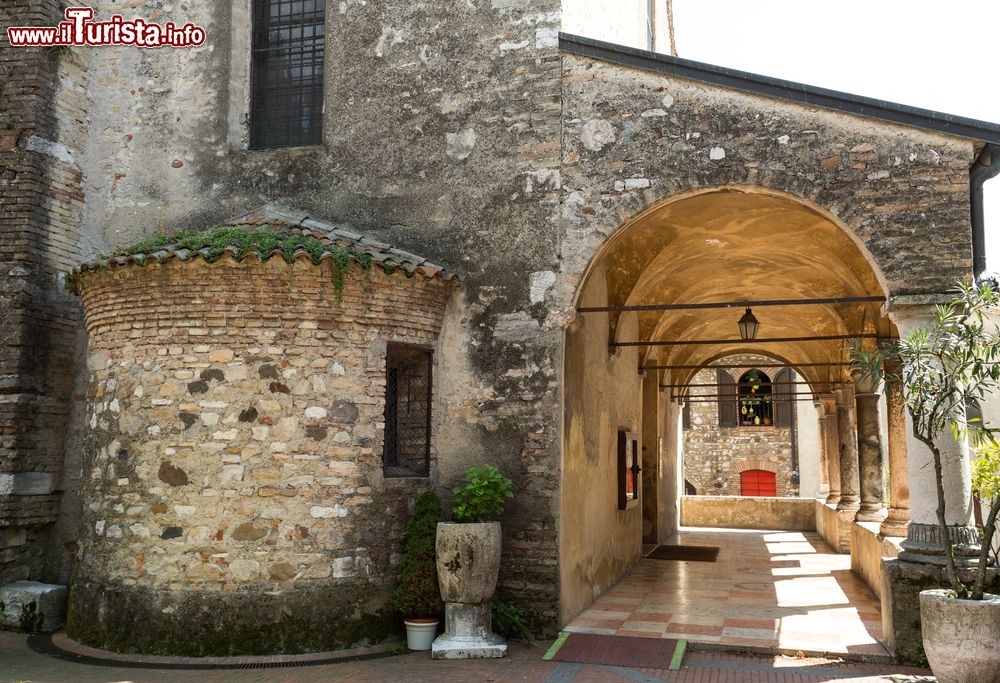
407, 444
286, 105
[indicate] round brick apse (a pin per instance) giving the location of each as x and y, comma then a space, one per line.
234, 500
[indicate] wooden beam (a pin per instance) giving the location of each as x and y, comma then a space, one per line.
734, 304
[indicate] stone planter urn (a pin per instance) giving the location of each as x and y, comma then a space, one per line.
961, 637
468, 563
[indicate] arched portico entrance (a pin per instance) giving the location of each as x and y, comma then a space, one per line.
659, 302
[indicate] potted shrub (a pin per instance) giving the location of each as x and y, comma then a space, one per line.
468, 564
942, 368
416, 596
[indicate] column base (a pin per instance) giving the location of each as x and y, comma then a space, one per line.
896, 523
833, 498
924, 544
848, 503
871, 513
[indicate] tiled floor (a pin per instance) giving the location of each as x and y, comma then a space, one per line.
785, 591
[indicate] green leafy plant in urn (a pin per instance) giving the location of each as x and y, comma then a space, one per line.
468, 564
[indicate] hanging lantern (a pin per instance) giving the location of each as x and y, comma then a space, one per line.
748, 326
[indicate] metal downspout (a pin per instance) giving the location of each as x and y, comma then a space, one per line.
986, 166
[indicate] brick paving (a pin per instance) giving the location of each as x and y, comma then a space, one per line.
771, 591
18, 662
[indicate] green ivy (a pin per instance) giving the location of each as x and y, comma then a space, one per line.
417, 594
483, 496
244, 240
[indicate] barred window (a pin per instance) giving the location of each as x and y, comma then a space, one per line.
407, 448
286, 107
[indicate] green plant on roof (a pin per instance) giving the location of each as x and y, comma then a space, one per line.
244, 240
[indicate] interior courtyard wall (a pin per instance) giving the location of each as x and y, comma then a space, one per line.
602, 394
714, 456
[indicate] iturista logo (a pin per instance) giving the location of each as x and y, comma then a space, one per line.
80, 29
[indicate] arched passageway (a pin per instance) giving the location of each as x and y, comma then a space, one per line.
649, 320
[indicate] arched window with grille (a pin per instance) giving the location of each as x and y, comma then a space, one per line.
755, 406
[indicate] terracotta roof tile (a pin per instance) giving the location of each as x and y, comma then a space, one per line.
292, 222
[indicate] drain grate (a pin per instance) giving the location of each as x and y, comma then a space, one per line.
44, 645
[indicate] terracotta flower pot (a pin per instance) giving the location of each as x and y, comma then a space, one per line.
961, 637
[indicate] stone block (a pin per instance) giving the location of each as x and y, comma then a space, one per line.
32, 607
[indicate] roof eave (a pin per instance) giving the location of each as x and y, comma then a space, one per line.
800, 93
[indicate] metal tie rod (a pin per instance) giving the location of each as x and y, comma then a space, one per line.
734, 304
707, 342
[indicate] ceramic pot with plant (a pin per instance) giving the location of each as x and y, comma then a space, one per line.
468, 564
416, 595
941, 369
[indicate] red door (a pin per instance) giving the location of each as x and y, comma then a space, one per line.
758, 483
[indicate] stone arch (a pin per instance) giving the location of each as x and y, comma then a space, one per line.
606, 229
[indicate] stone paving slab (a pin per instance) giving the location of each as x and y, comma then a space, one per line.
18, 662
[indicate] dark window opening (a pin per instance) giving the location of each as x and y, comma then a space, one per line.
407, 448
756, 409
286, 102
689, 489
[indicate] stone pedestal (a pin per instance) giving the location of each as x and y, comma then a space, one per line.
898, 518
831, 439
901, 585
468, 562
468, 634
850, 500
870, 459
32, 607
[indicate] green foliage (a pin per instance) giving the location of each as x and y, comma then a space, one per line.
939, 369
244, 240
417, 594
508, 621
483, 496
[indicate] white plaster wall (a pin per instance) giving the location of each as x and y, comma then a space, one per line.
807, 427
624, 22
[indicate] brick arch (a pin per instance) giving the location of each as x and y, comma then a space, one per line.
757, 464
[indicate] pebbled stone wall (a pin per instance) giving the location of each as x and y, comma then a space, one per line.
233, 458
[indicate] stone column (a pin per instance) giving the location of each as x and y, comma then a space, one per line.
924, 542
898, 519
824, 478
871, 479
831, 436
849, 498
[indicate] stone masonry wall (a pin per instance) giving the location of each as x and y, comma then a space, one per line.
714, 456
442, 126
43, 128
233, 455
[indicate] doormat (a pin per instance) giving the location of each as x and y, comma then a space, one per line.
692, 553
641, 653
